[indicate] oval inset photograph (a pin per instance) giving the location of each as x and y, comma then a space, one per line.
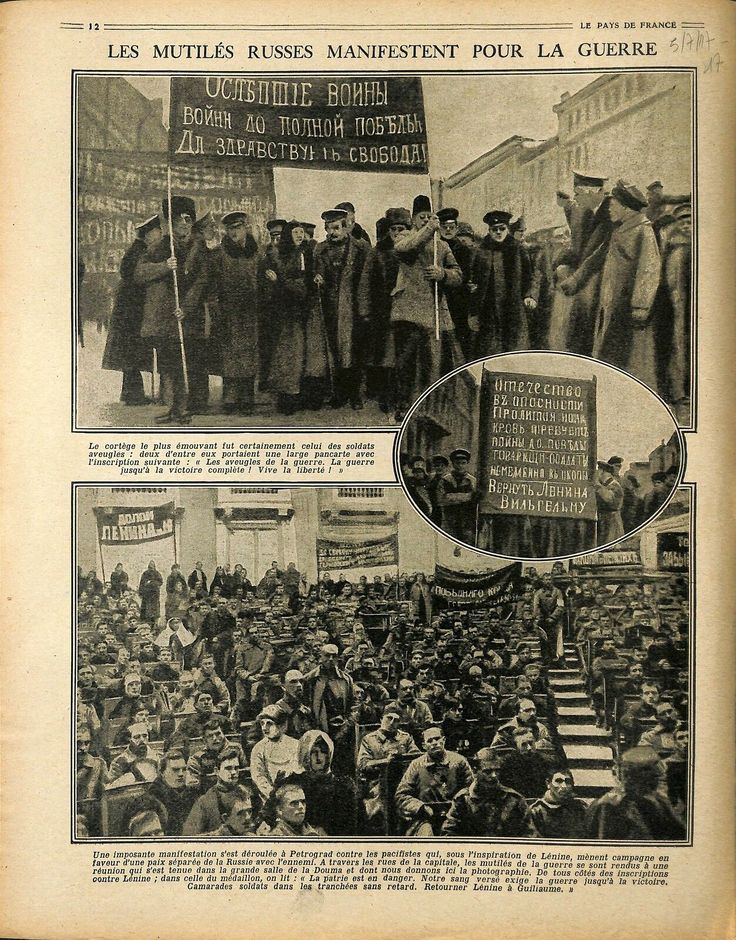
539, 455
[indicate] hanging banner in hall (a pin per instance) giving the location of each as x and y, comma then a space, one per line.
342, 556
470, 589
133, 536
538, 445
373, 125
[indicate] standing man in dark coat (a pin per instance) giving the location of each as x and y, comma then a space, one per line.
456, 495
338, 263
672, 323
160, 314
125, 350
375, 291
460, 298
149, 589
236, 277
502, 272
579, 269
267, 291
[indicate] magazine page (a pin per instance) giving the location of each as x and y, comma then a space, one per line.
366, 534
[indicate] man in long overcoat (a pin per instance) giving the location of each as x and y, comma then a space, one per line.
338, 264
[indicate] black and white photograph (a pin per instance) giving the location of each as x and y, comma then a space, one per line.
318, 662
316, 251
539, 455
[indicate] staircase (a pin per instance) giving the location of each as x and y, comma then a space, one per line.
587, 748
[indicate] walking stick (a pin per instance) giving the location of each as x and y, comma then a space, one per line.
176, 284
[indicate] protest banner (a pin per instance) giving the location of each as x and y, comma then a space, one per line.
537, 443
135, 535
374, 125
471, 589
344, 556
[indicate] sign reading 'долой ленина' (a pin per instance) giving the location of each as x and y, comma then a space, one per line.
540, 445
373, 125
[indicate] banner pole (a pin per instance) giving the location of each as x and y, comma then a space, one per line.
176, 283
154, 369
436, 285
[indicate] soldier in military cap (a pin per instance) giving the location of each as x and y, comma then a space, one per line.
161, 315
459, 299
354, 229
456, 495
502, 271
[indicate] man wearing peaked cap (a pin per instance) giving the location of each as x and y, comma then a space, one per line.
125, 350
590, 232
354, 230
424, 260
456, 496
624, 329
236, 278
275, 227
459, 299
502, 271
375, 297
309, 229
338, 263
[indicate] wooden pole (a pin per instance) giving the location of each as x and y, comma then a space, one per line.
436, 285
176, 284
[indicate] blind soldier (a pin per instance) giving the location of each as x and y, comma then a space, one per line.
126, 351
339, 263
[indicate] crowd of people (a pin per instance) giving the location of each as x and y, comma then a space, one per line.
333, 322
278, 708
444, 490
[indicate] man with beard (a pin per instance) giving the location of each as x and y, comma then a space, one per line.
161, 315
332, 801
502, 271
431, 780
525, 720
125, 350
375, 291
425, 350
226, 809
275, 753
236, 278
329, 689
169, 788
138, 761
459, 299
338, 265
559, 814
636, 809
487, 808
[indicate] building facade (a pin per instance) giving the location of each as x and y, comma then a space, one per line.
635, 125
